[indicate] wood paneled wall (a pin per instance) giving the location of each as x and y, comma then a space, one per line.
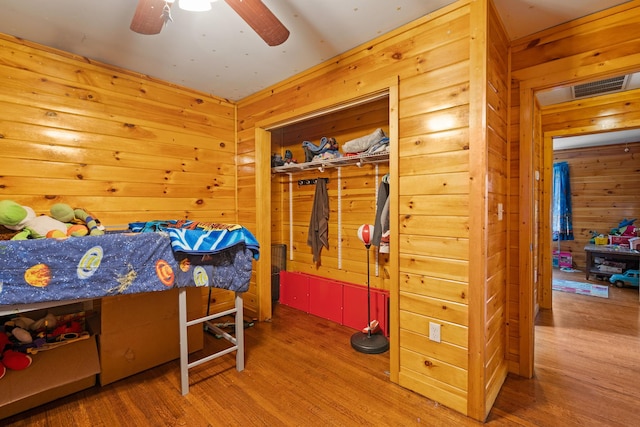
445, 200
122, 145
497, 82
601, 45
604, 191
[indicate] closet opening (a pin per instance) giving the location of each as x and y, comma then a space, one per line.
352, 181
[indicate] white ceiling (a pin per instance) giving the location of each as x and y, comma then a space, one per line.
216, 52
596, 139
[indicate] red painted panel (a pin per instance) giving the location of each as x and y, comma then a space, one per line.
294, 290
354, 312
325, 298
380, 306
341, 302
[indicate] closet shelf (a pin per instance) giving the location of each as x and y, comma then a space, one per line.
359, 160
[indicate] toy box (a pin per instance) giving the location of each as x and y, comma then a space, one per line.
564, 260
619, 240
612, 267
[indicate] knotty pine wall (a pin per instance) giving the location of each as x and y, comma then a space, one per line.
495, 365
605, 44
355, 203
604, 191
442, 162
121, 145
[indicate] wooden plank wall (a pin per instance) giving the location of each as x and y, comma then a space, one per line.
497, 191
431, 59
122, 145
513, 222
357, 198
604, 191
601, 45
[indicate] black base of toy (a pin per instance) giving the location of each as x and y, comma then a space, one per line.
369, 344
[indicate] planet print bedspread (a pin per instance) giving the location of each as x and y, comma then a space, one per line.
43, 270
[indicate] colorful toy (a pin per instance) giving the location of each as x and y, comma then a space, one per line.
63, 222
629, 278
625, 228
23, 219
76, 217
32, 336
11, 359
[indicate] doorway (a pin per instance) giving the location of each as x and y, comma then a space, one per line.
274, 130
536, 282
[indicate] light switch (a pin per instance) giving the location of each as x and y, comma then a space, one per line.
434, 331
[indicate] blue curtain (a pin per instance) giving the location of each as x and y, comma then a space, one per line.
561, 226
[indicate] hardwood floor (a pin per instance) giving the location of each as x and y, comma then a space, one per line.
587, 367
301, 370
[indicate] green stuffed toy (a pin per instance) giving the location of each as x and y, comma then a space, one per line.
30, 226
65, 213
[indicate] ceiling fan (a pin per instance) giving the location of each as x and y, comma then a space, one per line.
151, 15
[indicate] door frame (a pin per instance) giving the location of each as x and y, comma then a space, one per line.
342, 100
528, 198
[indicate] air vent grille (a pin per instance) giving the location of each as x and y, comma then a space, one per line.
614, 84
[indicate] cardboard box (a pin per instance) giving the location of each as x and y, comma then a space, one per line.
609, 269
141, 331
53, 374
634, 243
612, 267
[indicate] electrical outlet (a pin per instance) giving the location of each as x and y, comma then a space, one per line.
434, 331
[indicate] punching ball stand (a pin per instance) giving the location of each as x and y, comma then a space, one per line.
370, 343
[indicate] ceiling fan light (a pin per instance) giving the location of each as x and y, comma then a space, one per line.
195, 5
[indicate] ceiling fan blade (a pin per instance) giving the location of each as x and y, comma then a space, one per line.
261, 19
148, 18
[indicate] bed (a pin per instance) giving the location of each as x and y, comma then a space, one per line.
150, 257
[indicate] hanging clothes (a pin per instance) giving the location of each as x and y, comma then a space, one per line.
319, 223
381, 227
562, 226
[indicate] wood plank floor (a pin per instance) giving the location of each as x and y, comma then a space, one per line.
301, 370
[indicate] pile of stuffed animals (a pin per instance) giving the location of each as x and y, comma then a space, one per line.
17, 338
9, 358
64, 221
22, 336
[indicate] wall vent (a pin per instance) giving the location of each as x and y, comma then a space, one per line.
614, 84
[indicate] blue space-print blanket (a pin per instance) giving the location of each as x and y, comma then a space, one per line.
43, 270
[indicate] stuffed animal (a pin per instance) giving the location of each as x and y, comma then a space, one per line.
65, 213
11, 359
23, 219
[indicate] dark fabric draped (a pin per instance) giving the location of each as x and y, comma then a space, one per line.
561, 226
319, 223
